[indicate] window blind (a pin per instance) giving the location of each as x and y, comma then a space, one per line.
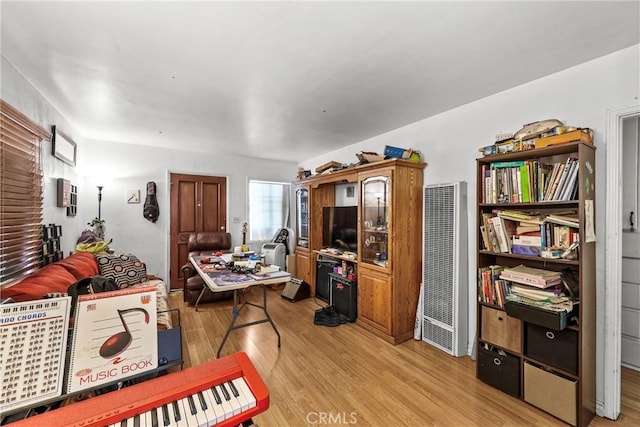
20, 194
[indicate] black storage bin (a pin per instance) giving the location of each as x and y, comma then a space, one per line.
344, 296
556, 320
555, 348
323, 268
499, 371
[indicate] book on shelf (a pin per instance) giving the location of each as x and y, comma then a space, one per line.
555, 304
499, 226
528, 217
525, 228
572, 181
531, 276
525, 184
529, 250
532, 239
562, 179
535, 293
570, 219
492, 289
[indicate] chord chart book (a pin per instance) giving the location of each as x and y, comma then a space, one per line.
33, 342
115, 336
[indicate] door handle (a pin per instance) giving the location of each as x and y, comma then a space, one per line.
631, 227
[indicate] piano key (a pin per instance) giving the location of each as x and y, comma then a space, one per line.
154, 417
233, 388
178, 418
190, 412
242, 394
222, 408
225, 392
216, 395
242, 386
166, 421
212, 412
228, 409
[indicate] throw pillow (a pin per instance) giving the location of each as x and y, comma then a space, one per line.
126, 270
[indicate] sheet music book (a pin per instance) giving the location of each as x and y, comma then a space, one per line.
33, 342
115, 337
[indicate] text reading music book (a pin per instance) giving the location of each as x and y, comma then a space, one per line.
33, 339
115, 336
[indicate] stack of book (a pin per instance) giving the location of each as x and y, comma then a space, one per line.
535, 286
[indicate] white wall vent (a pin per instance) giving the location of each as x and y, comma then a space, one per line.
445, 268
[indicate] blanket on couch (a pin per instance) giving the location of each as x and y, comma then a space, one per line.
56, 278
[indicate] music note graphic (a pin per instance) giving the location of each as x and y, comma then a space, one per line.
119, 342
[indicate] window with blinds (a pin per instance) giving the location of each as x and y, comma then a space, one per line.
20, 194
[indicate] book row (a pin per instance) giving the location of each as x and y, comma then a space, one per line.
528, 181
497, 284
502, 235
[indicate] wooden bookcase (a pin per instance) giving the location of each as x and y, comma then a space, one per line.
389, 275
550, 368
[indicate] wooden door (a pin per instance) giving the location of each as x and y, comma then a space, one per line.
198, 203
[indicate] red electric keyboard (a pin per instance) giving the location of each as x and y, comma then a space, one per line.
222, 392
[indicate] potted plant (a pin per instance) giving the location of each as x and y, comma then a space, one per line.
98, 226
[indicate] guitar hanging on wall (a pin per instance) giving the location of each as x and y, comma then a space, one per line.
151, 211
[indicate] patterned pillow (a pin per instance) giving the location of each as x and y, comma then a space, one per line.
126, 270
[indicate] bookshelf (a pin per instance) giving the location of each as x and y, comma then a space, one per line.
545, 197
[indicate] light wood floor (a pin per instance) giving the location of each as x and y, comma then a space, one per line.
344, 375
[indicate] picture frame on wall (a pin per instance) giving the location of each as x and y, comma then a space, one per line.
64, 148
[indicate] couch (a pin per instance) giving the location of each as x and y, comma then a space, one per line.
56, 278
203, 243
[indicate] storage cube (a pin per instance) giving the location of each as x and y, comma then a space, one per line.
499, 371
556, 348
501, 329
551, 393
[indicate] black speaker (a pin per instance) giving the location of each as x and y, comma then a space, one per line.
296, 290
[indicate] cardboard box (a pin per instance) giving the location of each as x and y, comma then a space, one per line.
551, 393
584, 135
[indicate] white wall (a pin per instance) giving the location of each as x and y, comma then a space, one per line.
119, 167
579, 96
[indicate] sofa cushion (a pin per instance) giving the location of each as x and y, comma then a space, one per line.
126, 270
49, 279
80, 264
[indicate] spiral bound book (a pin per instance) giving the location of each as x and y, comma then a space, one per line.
33, 341
115, 337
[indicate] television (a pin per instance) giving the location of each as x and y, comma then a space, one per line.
340, 227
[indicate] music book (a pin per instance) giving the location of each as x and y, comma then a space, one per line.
33, 342
114, 337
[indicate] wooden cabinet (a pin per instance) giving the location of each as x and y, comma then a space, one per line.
389, 241
538, 355
374, 300
303, 265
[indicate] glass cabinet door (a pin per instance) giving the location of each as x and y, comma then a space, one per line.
302, 209
376, 199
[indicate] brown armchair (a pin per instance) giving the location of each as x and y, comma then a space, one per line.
201, 244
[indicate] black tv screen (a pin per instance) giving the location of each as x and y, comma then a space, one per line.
340, 227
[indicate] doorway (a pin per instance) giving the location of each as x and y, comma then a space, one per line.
630, 309
197, 203
610, 406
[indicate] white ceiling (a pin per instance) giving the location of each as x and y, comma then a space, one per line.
291, 80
